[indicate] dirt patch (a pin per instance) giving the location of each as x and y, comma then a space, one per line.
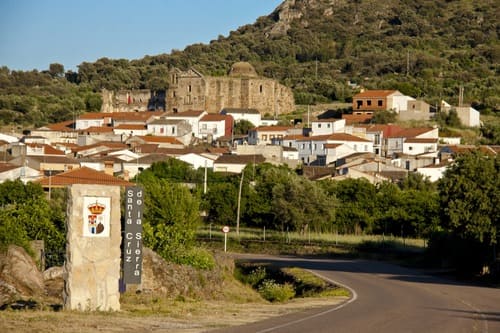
183, 316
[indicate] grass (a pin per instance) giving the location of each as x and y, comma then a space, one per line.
280, 284
268, 237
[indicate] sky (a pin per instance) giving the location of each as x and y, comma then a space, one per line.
37, 33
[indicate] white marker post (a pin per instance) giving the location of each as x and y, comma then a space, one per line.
225, 230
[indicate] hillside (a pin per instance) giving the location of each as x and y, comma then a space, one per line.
424, 48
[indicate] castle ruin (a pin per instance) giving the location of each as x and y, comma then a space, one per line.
242, 88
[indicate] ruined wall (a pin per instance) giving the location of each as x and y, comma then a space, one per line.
132, 100
192, 91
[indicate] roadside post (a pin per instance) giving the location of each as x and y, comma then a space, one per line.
225, 230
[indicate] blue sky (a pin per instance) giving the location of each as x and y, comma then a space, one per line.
36, 33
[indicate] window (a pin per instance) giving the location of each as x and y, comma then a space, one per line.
204, 126
356, 147
260, 88
264, 137
173, 130
319, 125
315, 146
380, 102
369, 103
366, 147
328, 125
162, 130
410, 148
189, 88
359, 104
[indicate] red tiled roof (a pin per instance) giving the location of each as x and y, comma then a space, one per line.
410, 132
374, 94
332, 145
96, 129
47, 149
214, 117
346, 137
415, 140
356, 118
82, 175
159, 139
108, 144
65, 126
130, 127
295, 137
7, 166
272, 128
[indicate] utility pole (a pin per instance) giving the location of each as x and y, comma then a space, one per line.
205, 179
239, 205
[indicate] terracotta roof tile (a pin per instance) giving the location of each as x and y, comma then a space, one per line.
160, 139
356, 118
410, 132
214, 117
272, 128
47, 149
82, 175
415, 140
375, 93
7, 167
97, 129
130, 127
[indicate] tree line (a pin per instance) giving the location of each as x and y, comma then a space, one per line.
459, 215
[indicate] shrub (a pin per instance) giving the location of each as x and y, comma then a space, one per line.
197, 258
274, 292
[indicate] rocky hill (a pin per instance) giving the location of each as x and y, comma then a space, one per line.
424, 48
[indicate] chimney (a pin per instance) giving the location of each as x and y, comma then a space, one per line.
108, 168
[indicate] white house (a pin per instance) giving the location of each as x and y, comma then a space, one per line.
394, 143
214, 126
192, 117
92, 119
327, 126
265, 135
468, 116
238, 114
236, 163
417, 146
434, 172
24, 173
199, 160
326, 149
130, 129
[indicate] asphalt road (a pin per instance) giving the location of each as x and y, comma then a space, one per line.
388, 298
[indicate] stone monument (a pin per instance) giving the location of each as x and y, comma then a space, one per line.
92, 267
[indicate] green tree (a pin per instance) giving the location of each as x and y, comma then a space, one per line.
470, 197
171, 218
243, 126
27, 211
56, 70
384, 117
